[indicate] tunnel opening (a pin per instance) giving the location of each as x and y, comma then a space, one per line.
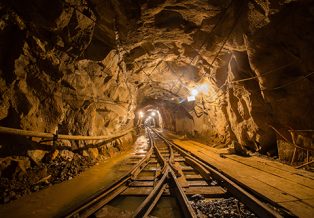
149, 117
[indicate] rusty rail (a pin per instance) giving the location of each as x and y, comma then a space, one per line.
180, 195
169, 173
169, 181
149, 203
257, 206
95, 202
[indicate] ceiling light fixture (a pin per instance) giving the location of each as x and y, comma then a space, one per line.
141, 114
191, 98
194, 92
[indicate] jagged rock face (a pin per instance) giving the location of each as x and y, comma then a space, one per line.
84, 67
47, 88
46, 85
253, 55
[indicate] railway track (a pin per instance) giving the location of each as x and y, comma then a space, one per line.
167, 181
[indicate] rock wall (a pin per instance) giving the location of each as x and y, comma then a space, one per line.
268, 78
254, 57
47, 85
84, 67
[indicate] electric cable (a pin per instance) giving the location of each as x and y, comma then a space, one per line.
220, 20
252, 91
229, 34
264, 74
222, 17
288, 83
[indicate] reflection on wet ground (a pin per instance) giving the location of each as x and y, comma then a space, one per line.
57, 199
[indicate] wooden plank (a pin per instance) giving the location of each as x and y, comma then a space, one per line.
181, 159
274, 167
142, 183
207, 191
145, 178
137, 191
186, 168
193, 177
275, 187
244, 174
141, 191
286, 186
132, 163
310, 202
299, 208
197, 183
150, 169
289, 187
268, 191
135, 157
277, 169
163, 150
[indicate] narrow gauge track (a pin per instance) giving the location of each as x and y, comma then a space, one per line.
166, 170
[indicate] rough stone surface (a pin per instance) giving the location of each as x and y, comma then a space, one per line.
86, 67
36, 155
22, 175
230, 207
261, 76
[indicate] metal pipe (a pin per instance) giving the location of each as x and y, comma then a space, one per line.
21, 132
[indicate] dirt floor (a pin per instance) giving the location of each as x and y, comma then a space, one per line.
56, 200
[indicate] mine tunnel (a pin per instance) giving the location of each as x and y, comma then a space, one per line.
156, 108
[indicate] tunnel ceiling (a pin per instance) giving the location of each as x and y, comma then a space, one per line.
168, 47
85, 67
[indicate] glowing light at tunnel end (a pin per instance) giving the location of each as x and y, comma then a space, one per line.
141, 114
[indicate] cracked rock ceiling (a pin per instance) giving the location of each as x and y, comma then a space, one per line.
86, 67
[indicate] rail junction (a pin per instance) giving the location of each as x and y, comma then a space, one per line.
164, 170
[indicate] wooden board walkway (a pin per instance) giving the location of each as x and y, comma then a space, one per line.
291, 188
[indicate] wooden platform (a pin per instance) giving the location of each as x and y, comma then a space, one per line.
291, 188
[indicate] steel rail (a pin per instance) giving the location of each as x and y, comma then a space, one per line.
101, 198
205, 173
188, 211
257, 206
171, 161
161, 159
168, 172
151, 200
